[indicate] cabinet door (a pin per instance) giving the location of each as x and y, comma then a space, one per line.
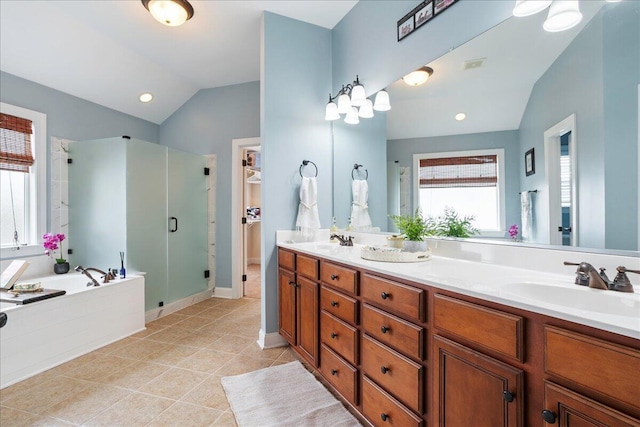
307, 306
569, 409
472, 389
287, 305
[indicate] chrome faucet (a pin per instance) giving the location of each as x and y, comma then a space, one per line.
105, 276
586, 275
344, 241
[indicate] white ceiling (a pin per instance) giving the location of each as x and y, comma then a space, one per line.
494, 96
109, 52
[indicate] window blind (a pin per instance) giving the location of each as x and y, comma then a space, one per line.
15, 143
465, 171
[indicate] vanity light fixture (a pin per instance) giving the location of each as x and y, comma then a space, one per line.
460, 117
169, 12
563, 14
352, 101
530, 7
146, 97
418, 77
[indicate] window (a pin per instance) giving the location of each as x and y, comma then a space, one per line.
471, 182
22, 181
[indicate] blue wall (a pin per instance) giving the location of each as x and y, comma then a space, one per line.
206, 124
295, 82
403, 150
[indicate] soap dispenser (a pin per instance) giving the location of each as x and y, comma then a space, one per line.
333, 230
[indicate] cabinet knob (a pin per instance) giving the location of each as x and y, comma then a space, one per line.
293, 284
334, 335
334, 277
384, 417
334, 303
549, 416
508, 396
384, 369
384, 329
334, 372
384, 295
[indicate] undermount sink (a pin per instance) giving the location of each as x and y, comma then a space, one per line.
578, 298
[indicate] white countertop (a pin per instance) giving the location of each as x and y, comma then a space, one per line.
550, 294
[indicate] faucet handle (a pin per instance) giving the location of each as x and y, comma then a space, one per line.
621, 282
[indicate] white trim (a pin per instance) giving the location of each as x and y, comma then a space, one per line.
272, 340
157, 313
237, 213
226, 293
552, 174
38, 187
501, 181
638, 164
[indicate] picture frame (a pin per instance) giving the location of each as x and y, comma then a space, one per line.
530, 162
424, 14
441, 5
405, 26
420, 15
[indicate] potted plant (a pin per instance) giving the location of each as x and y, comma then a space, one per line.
414, 228
53, 242
451, 224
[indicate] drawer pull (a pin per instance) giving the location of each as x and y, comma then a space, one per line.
334, 277
384, 369
334, 335
334, 303
385, 329
384, 417
508, 396
334, 372
549, 416
385, 295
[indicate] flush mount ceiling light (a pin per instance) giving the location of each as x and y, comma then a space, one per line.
146, 97
460, 117
353, 101
530, 7
418, 77
169, 12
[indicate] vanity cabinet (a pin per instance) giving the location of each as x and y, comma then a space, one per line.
408, 354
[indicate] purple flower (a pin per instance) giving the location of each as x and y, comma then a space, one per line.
513, 231
53, 242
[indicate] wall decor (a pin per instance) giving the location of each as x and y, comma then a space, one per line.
420, 15
529, 162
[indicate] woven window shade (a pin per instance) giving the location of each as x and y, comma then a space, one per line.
15, 143
470, 171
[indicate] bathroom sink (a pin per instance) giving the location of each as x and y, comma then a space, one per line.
327, 248
577, 298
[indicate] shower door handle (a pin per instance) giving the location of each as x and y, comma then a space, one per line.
175, 224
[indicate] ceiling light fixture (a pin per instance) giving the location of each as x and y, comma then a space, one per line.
530, 7
169, 12
353, 101
563, 14
460, 116
418, 77
146, 97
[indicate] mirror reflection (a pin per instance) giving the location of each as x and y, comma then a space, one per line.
559, 111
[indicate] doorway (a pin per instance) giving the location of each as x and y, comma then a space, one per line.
246, 218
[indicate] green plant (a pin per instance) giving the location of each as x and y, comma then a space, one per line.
414, 227
452, 225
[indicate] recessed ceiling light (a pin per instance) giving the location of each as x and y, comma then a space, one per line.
146, 97
461, 116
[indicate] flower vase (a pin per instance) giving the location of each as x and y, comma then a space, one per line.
415, 246
61, 268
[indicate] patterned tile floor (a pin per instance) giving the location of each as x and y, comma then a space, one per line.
167, 375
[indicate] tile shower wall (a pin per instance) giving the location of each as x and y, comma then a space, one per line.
59, 186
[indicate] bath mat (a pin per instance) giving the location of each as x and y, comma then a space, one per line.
284, 395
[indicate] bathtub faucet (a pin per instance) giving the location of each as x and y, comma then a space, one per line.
94, 282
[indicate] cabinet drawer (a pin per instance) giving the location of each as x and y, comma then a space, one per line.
383, 410
338, 304
397, 374
606, 368
340, 336
307, 266
391, 330
340, 277
286, 259
487, 328
339, 373
393, 296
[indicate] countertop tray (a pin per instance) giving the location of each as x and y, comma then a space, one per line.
29, 297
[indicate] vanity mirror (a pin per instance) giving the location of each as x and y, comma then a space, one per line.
523, 88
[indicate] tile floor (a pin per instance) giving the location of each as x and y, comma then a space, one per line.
252, 285
167, 375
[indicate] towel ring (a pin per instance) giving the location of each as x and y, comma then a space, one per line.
305, 163
355, 168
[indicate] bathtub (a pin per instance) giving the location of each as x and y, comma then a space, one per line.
44, 334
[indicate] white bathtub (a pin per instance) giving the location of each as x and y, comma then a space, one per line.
44, 334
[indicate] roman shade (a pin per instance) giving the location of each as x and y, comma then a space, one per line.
465, 171
15, 143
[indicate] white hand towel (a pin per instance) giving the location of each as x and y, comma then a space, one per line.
308, 217
360, 219
526, 209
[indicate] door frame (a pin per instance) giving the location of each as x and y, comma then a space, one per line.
237, 207
552, 174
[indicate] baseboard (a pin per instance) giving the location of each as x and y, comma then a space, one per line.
253, 261
226, 293
159, 312
271, 340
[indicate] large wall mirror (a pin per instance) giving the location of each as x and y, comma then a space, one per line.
544, 99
